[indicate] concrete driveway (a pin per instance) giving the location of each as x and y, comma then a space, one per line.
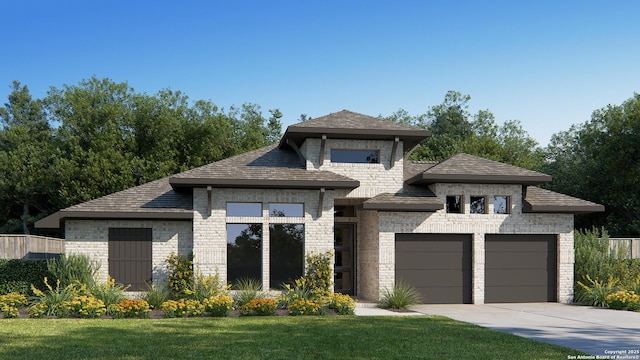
612, 333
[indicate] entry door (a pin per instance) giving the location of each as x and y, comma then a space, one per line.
344, 235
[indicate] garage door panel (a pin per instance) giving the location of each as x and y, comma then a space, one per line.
449, 245
516, 294
445, 295
529, 277
437, 265
423, 260
520, 268
434, 277
530, 246
518, 260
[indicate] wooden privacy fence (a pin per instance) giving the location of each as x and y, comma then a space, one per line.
630, 245
30, 247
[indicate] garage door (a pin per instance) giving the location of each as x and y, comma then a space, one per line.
520, 268
437, 265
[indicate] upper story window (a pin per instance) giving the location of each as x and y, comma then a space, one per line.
355, 156
244, 209
501, 204
478, 205
454, 204
286, 210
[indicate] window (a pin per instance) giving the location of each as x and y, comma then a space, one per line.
286, 252
244, 209
477, 205
244, 252
501, 204
454, 204
355, 156
286, 210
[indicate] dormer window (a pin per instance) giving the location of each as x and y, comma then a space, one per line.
355, 156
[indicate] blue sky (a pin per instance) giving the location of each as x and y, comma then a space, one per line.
548, 64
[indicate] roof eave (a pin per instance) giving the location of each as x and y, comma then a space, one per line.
55, 220
264, 184
300, 133
561, 209
426, 179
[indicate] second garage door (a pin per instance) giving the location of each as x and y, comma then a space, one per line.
437, 265
520, 268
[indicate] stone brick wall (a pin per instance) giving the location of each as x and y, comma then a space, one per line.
210, 244
374, 178
516, 222
91, 237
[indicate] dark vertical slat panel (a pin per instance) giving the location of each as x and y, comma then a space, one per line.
130, 256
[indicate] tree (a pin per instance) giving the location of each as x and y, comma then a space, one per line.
599, 160
455, 130
27, 158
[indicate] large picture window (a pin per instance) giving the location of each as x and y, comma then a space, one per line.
286, 252
244, 252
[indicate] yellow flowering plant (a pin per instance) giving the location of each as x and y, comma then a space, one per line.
10, 304
218, 305
623, 299
88, 306
305, 307
182, 307
262, 307
132, 308
343, 304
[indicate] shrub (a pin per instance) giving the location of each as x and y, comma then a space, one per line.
17, 275
57, 301
128, 308
73, 268
595, 292
37, 310
318, 276
247, 289
182, 307
11, 303
262, 307
218, 305
343, 304
399, 297
180, 278
155, 295
305, 307
207, 286
88, 306
300, 290
109, 292
624, 300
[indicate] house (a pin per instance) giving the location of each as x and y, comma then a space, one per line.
464, 230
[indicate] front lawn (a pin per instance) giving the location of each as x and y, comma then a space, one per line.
280, 337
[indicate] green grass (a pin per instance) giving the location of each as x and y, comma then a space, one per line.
325, 337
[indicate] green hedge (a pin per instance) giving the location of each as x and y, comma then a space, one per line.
18, 275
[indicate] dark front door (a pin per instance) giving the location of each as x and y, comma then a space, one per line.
344, 236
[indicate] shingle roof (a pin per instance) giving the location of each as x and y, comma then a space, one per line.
414, 168
404, 201
153, 200
465, 168
350, 125
268, 167
539, 200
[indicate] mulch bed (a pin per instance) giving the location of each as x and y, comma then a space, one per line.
158, 314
